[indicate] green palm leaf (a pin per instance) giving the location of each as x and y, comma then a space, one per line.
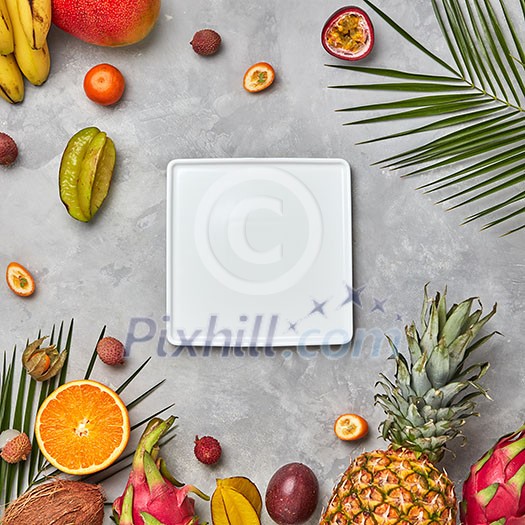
25, 399
20, 397
481, 95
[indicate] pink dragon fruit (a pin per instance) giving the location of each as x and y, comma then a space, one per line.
152, 496
494, 493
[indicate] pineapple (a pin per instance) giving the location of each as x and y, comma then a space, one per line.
426, 405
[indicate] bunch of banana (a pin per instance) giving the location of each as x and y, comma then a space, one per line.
24, 25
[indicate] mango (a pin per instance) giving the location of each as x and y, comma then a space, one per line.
106, 22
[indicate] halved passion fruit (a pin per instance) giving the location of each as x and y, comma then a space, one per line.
348, 34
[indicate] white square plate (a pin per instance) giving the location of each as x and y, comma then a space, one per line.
259, 252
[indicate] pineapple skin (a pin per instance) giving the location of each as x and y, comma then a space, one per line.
426, 406
392, 487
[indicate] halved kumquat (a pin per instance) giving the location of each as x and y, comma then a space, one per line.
19, 280
82, 427
349, 427
258, 77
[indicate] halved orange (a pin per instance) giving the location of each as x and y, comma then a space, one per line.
82, 427
349, 427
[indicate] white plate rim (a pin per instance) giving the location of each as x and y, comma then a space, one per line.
277, 341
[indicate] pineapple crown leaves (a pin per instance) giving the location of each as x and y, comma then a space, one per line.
433, 390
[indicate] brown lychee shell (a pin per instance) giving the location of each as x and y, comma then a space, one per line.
207, 450
61, 502
206, 42
8, 150
16, 450
111, 351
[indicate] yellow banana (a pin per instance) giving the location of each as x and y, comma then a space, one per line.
35, 19
34, 63
11, 80
7, 45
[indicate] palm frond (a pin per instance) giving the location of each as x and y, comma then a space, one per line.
481, 95
17, 410
19, 403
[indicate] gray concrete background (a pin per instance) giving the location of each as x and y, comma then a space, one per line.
266, 411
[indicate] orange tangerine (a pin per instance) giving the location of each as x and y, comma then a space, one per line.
104, 84
82, 427
349, 427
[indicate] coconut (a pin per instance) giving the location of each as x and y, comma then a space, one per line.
60, 502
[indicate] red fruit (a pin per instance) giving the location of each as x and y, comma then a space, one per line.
150, 495
348, 34
292, 494
206, 42
111, 351
207, 450
17, 449
495, 489
107, 22
8, 150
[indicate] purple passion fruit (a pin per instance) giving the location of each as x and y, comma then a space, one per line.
348, 34
292, 494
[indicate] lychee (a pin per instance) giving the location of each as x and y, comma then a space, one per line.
207, 450
206, 42
8, 150
16, 449
111, 351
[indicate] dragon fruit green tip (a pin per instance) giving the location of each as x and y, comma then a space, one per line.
152, 496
